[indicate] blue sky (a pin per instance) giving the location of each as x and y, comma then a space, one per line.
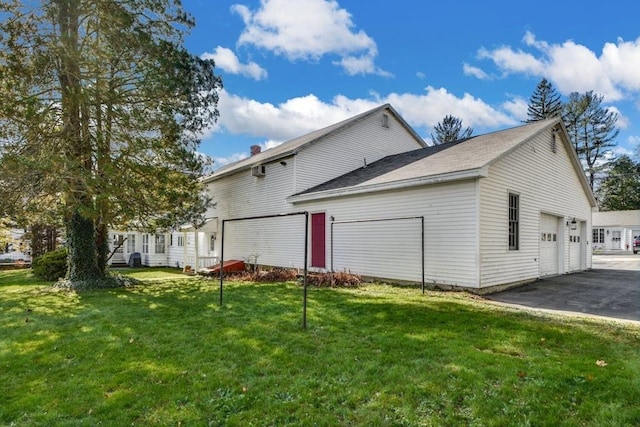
293, 66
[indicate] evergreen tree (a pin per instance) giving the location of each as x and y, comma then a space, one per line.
592, 130
620, 189
544, 103
449, 130
102, 108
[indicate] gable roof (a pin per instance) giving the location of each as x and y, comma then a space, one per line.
462, 159
293, 146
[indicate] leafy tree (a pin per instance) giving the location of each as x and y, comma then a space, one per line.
545, 102
449, 130
592, 130
102, 108
620, 189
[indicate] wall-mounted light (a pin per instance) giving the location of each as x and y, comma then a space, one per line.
607, 232
332, 218
214, 236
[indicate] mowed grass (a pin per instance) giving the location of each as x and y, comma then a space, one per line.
166, 353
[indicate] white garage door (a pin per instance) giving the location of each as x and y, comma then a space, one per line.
548, 245
575, 244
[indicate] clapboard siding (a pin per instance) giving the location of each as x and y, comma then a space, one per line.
547, 183
391, 249
339, 153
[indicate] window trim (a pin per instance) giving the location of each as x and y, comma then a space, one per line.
131, 243
513, 221
145, 243
160, 242
597, 235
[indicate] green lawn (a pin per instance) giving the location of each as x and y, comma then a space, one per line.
165, 353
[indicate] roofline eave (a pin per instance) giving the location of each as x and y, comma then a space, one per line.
395, 185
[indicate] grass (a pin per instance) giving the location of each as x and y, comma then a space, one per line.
165, 353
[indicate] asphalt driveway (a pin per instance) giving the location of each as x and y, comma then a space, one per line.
610, 289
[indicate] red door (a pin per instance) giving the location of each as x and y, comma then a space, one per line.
318, 240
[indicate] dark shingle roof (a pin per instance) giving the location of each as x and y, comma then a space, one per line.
379, 168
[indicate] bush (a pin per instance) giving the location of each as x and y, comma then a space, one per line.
334, 280
50, 266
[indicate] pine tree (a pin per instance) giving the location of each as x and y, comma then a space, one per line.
544, 103
449, 130
102, 108
620, 189
592, 130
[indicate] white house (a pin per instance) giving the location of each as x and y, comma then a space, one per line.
490, 211
615, 230
176, 248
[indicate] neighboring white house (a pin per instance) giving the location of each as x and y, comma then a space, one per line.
615, 230
171, 249
498, 209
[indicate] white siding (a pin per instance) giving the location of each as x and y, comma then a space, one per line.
391, 249
347, 150
546, 183
279, 241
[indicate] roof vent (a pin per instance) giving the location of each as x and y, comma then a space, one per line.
385, 121
258, 170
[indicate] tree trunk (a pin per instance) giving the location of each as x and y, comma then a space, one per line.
102, 247
81, 243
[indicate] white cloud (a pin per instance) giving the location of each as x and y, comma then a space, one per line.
621, 151
222, 161
297, 116
421, 75
284, 121
308, 30
476, 72
574, 67
425, 110
227, 61
517, 108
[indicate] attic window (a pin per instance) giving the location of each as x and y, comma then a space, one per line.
385, 121
554, 141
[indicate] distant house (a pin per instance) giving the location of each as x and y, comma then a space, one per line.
498, 209
615, 230
175, 248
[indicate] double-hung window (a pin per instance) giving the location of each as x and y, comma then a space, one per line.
131, 243
159, 243
145, 243
597, 235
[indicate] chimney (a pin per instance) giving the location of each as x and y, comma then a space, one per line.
255, 149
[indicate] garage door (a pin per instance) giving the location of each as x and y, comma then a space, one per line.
548, 245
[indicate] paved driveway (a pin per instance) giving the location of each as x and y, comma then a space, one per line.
611, 289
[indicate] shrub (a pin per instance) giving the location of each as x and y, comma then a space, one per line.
339, 279
50, 266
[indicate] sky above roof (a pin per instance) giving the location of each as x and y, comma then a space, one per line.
293, 66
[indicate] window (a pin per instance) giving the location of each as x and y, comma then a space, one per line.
514, 222
131, 243
159, 243
597, 235
180, 240
145, 243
